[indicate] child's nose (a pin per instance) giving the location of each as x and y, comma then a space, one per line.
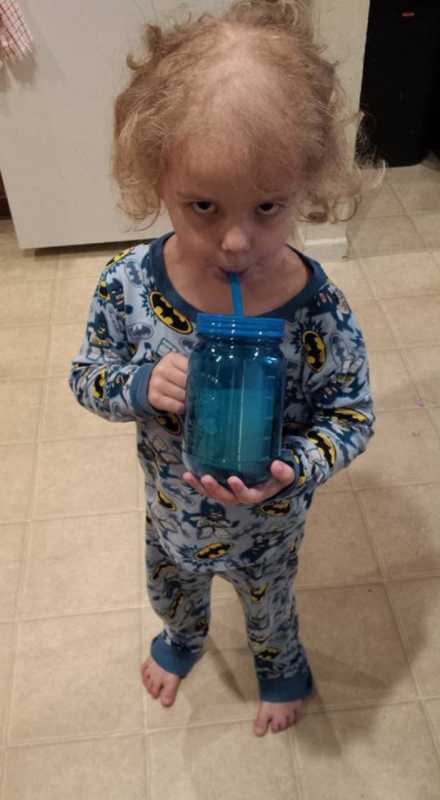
236, 239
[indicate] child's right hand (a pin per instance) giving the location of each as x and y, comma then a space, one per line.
167, 387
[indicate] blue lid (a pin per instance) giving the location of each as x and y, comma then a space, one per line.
240, 327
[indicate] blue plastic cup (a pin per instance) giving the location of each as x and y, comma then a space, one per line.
235, 397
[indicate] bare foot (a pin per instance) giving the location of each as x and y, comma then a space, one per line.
278, 716
159, 682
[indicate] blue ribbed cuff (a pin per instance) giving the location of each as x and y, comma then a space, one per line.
177, 660
139, 391
284, 690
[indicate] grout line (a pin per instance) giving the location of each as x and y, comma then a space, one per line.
141, 733
431, 728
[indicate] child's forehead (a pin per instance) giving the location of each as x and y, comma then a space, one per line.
219, 169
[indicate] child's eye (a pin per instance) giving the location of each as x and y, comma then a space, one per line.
268, 209
203, 207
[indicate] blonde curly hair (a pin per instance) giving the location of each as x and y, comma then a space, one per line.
250, 84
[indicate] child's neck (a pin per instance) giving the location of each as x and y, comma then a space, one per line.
262, 293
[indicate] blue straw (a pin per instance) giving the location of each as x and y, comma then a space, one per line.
236, 295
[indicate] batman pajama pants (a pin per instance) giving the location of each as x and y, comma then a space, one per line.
182, 599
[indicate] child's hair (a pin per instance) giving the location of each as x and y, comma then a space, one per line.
251, 82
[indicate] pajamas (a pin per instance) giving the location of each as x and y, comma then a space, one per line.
182, 599
136, 317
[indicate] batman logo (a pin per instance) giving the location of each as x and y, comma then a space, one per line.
257, 640
316, 351
103, 290
269, 654
278, 508
171, 423
202, 625
258, 594
168, 314
99, 385
175, 605
325, 445
119, 256
213, 551
301, 479
161, 567
165, 501
344, 415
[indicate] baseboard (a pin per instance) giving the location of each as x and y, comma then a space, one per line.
324, 242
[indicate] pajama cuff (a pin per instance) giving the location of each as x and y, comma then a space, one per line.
177, 660
283, 690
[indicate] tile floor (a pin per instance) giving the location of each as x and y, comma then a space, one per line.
75, 721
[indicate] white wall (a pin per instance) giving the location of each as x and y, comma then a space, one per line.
342, 25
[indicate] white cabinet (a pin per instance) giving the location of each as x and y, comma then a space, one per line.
56, 113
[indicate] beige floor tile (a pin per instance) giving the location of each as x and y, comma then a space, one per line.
369, 754
11, 553
428, 228
391, 385
100, 769
65, 345
403, 524
416, 605
435, 416
222, 687
82, 265
24, 352
418, 195
373, 237
11, 542
86, 475
26, 303
405, 449
335, 548
353, 646
82, 564
428, 169
10, 572
402, 274
20, 403
414, 320
16, 476
221, 761
73, 299
433, 709
349, 277
374, 325
228, 627
381, 202
6, 663
63, 416
27, 266
77, 676
338, 483
424, 365
222, 588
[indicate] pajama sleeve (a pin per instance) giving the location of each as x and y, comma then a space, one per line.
336, 390
104, 377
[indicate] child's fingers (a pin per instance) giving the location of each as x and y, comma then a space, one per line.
192, 480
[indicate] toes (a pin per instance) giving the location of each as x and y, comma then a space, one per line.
261, 725
167, 698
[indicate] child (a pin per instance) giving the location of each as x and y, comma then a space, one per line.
232, 124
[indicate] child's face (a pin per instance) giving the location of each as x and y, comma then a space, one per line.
222, 222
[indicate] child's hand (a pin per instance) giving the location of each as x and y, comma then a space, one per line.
167, 387
239, 493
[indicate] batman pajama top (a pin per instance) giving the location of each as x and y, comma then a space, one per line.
136, 317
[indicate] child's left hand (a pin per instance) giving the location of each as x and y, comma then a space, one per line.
240, 494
